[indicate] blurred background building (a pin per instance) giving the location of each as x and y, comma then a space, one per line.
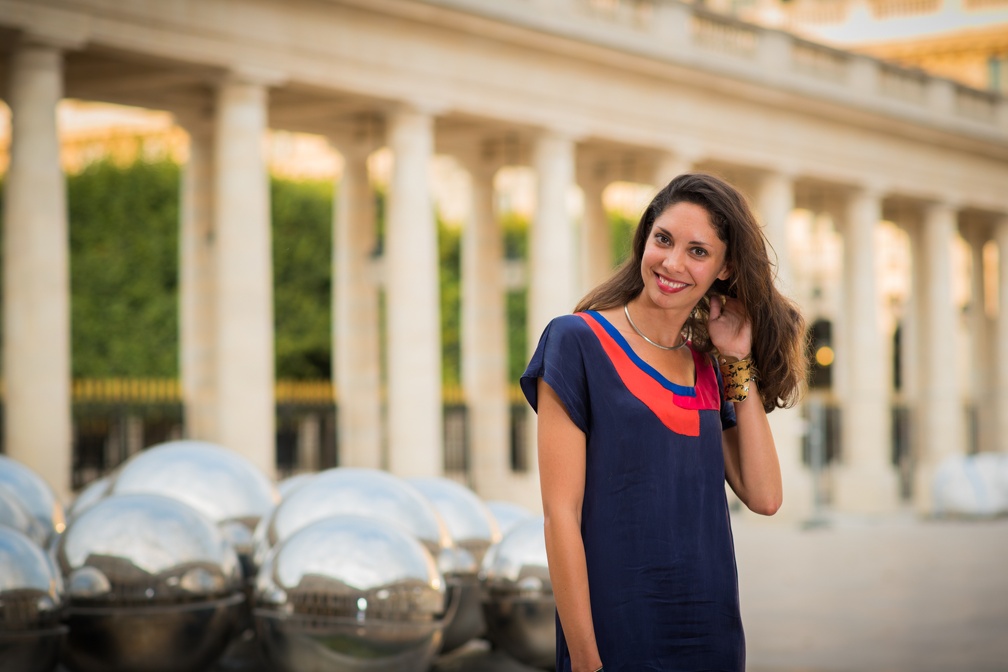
963, 40
871, 138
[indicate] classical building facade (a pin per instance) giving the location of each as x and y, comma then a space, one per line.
828, 144
963, 40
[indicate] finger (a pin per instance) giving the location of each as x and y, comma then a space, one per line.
734, 307
715, 307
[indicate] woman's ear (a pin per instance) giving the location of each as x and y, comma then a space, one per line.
724, 288
722, 284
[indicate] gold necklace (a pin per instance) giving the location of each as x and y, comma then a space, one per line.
626, 311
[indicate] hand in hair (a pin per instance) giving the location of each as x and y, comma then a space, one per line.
729, 327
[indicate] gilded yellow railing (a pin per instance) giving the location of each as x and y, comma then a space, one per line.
169, 391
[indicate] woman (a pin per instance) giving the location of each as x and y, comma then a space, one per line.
651, 396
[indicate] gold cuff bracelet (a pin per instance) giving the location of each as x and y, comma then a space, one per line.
737, 374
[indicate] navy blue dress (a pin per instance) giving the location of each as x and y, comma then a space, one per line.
658, 543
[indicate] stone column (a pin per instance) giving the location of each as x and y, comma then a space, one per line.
978, 389
866, 481
552, 289
36, 282
668, 166
309, 432
356, 361
775, 201
484, 336
197, 282
596, 249
914, 310
940, 411
999, 362
552, 265
246, 419
410, 269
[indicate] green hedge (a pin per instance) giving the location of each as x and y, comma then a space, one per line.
124, 256
124, 269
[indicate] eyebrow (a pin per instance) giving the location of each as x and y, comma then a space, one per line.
704, 243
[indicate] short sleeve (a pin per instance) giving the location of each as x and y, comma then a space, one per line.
559, 360
727, 408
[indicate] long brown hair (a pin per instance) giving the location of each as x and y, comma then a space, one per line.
778, 328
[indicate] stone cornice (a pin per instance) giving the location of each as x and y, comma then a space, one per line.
710, 51
496, 68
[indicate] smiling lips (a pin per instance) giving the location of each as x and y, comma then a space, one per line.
670, 286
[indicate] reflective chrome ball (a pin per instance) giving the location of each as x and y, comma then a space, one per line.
518, 596
219, 483
31, 605
971, 485
93, 492
366, 492
289, 484
34, 494
152, 585
507, 514
473, 530
350, 593
470, 524
15, 516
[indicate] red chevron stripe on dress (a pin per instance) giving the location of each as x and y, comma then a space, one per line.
650, 392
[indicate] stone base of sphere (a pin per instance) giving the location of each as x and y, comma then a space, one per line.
524, 628
165, 638
310, 644
467, 621
31, 650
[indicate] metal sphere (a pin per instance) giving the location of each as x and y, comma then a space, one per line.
14, 515
473, 530
150, 549
518, 596
32, 603
34, 494
31, 589
971, 485
289, 484
152, 585
507, 514
367, 492
470, 523
350, 593
93, 492
219, 483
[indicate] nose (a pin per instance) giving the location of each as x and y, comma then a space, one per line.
674, 259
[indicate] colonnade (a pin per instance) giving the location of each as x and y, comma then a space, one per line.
226, 295
36, 300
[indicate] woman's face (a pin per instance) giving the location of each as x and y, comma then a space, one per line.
683, 256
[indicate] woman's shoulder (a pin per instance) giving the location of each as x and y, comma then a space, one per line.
575, 322
585, 324
570, 329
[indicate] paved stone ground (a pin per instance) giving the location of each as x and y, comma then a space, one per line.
888, 594
892, 594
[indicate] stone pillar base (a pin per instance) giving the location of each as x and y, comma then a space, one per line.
799, 497
519, 488
788, 429
923, 494
798, 505
866, 490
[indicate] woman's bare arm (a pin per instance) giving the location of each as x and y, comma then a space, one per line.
752, 468
562, 479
